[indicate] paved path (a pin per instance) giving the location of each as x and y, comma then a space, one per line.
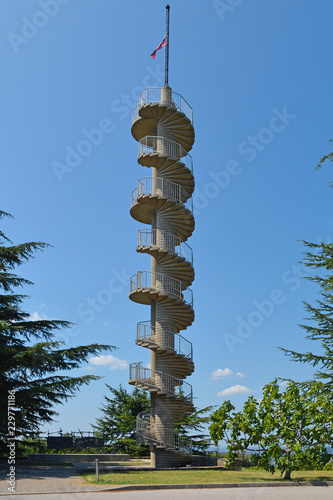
45, 479
278, 493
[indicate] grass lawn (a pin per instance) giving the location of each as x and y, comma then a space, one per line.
202, 476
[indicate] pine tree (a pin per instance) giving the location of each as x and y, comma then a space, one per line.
118, 423
195, 423
32, 371
320, 258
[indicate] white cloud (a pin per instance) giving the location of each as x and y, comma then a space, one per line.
115, 363
220, 373
235, 389
240, 374
36, 317
284, 383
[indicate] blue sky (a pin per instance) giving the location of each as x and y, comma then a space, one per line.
258, 76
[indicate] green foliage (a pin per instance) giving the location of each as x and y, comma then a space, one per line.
287, 430
324, 158
32, 370
130, 446
194, 423
118, 424
29, 445
319, 258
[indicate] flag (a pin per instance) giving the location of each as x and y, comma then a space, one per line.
162, 44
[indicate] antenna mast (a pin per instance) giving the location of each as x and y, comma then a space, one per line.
167, 47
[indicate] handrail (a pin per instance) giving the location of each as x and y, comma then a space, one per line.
165, 339
165, 241
163, 146
155, 95
161, 187
162, 284
162, 381
161, 435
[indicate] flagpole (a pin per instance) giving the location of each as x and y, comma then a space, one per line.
167, 47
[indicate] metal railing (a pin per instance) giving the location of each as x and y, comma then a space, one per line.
165, 241
164, 146
156, 95
163, 284
161, 381
149, 431
160, 187
165, 339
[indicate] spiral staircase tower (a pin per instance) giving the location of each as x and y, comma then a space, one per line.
163, 126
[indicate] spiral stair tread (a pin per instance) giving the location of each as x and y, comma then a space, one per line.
178, 216
172, 365
180, 365
182, 369
171, 263
148, 435
156, 202
182, 313
145, 294
169, 168
164, 161
152, 344
182, 317
177, 213
166, 255
177, 124
170, 191
178, 405
184, 272
161, 112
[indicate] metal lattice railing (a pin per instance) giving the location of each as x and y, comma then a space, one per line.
160, 187
165, 339
162, 283
163, 382
156, 95
163, 146
165, 241
149, 431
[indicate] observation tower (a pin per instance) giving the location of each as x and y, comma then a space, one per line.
163, 126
